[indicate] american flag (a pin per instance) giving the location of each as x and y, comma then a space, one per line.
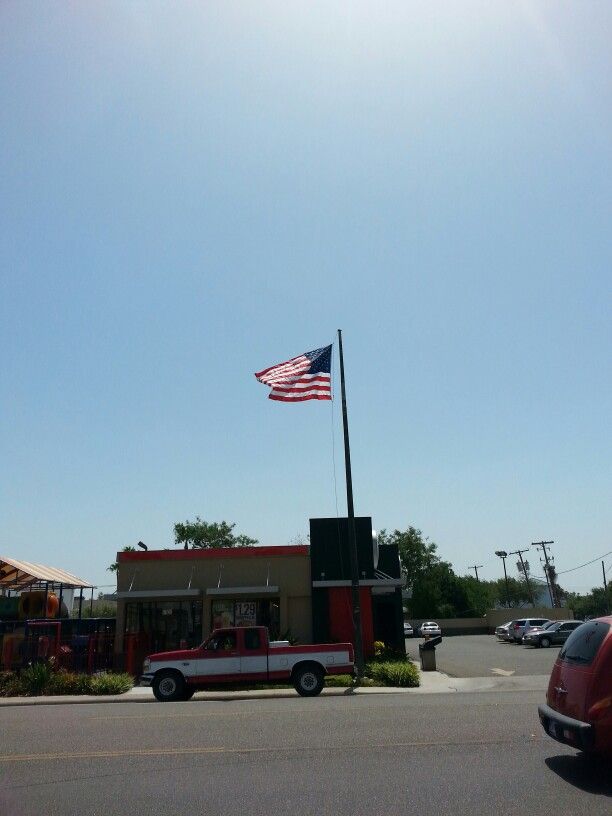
302, 378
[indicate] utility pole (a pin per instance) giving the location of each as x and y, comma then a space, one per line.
606, 599
503, 555
476, 567
544, 546
520, 555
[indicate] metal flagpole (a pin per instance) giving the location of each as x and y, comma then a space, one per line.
352, 536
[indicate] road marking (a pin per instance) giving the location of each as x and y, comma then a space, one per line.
503, 672
160, 752
224, 714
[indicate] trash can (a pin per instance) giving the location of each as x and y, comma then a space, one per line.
427, 653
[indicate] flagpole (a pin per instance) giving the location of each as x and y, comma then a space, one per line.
352, 536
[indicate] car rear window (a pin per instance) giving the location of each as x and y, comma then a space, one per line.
584, 642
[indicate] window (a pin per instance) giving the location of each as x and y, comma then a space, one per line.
167, 625
223, 642
264, 612
584, 642
252, 639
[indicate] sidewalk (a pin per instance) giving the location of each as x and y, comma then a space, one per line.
431, 683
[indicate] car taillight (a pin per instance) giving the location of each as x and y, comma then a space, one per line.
600, 708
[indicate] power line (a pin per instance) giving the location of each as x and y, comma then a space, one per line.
573, 569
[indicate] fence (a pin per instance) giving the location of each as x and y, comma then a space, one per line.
76, 645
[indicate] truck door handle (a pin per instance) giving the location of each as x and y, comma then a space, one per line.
560, 690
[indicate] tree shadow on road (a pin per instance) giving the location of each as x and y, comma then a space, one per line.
589, 773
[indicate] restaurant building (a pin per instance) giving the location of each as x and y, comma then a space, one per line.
169, 599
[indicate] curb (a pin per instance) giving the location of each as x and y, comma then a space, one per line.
431, 683
145, 695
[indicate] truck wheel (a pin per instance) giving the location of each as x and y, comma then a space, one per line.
188, 693
545, 642
308, 681
168, 687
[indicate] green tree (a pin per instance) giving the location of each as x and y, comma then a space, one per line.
417, 554
515, 595
115, 565
200, 534
590, 605
477, 594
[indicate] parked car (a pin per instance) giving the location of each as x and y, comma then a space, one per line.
556, 632
578, 709
502, 631
430, 628
521, 626
408, 630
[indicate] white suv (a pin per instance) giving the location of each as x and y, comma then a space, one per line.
519, 628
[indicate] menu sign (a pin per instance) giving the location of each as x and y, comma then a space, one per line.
245, 613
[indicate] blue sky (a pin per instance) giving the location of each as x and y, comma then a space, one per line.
190, 192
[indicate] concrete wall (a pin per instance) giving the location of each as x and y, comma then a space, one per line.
493, 618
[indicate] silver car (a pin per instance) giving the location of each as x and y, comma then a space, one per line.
501, 632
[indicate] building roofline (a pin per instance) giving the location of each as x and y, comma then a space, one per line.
218, 552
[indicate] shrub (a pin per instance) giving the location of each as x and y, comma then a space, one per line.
68, 683
9, 686
394, 673
35, 679
40, 679
110, 683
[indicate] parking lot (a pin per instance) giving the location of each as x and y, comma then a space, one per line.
485, 656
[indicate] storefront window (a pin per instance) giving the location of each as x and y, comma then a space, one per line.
167, 625
263, 612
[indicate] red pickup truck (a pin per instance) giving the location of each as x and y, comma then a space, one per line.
244, 655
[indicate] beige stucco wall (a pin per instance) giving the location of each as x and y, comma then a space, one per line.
291, 573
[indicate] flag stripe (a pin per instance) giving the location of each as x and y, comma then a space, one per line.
286, 398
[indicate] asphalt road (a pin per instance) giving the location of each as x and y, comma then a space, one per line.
370, 754
485, 656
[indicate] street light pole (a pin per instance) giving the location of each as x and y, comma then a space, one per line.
503, 555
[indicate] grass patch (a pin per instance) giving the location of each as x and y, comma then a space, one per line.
397, 673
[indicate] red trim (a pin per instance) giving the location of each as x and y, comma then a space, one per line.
220, 552
213, 679
348, 669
